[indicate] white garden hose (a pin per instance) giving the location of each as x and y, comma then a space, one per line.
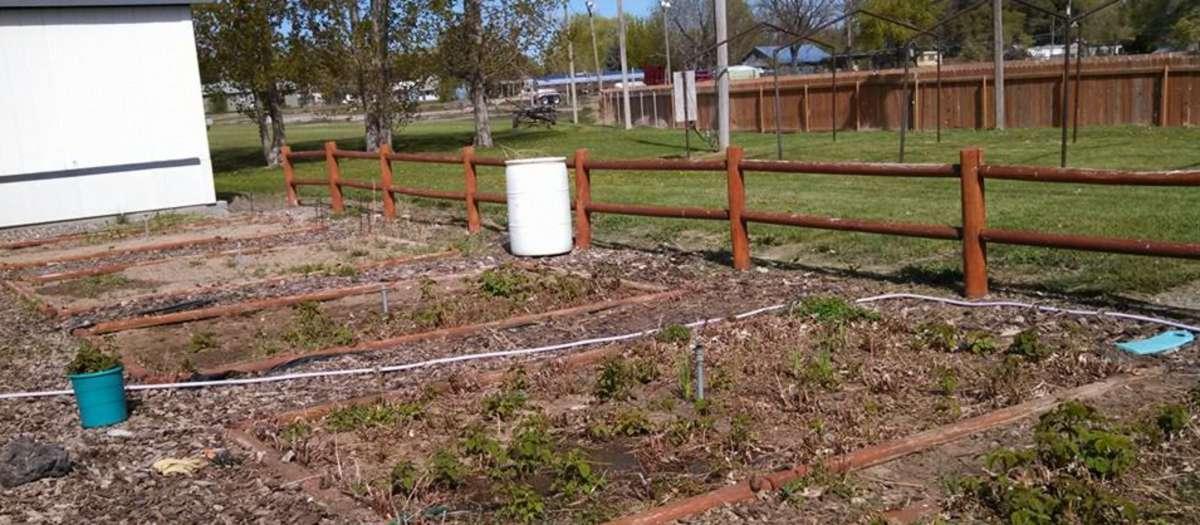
589, 342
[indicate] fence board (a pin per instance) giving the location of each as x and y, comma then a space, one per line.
1113, 91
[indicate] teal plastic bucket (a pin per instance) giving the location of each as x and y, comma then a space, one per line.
101, 397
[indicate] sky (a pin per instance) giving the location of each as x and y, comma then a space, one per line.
609, 7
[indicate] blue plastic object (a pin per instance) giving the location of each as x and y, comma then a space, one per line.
1162, 343
101, 397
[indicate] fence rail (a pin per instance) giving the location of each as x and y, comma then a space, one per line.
973, 233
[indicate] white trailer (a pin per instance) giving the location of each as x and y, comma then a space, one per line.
101, 111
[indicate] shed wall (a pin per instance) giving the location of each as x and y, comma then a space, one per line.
102, 113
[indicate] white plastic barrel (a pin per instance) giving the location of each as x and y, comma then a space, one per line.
539, 206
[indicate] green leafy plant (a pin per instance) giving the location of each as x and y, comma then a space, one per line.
832, 310
937, 336
504, 281
90, 359
201, 341
375, 415
404, 477
489, 452
945, 380
522, 504
817, 370
503, 405
1074, 434
1028, 344
575, 476
531, 447
618, 376
311, 329
446, 471
978, 343
1171, 419
632, 422
674, 334
684, 367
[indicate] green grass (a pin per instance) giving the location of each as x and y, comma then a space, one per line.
1152, 213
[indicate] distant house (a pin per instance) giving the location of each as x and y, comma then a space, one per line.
801, 57
101, 111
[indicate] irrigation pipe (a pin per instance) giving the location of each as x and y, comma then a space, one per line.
1042, 308
589, 342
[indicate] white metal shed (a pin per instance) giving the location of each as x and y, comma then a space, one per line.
101, 111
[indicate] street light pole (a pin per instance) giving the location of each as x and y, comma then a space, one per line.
665, 4
624, 66
595, 50
722, 74
571, 59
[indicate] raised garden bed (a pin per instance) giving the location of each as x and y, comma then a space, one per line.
597, 441
176, 276
210, 236
452, 305
1125, 455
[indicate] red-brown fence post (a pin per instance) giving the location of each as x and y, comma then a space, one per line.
583, 199
974, 218
737, 205
335, 177
472, 188
289, 176
385, 178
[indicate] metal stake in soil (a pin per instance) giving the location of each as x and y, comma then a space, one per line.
698, 355
383, 298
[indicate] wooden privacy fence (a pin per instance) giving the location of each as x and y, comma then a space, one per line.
973, 233
1155, 90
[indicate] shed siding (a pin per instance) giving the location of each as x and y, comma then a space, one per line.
103, 113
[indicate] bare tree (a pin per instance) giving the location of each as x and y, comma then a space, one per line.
797, 16
493, 40
694, 29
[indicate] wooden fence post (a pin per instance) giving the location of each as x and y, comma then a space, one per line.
583, 199
385, 176
974, 217
335, 177
289, 177
737, 205
472, 188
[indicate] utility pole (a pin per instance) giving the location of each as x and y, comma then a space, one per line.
624, 66
722, 74
998, 60
595, 50
666, 4
571, 59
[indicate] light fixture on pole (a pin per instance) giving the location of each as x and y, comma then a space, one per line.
665, 5
595, 50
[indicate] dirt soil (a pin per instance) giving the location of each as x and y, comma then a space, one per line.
771, 402
177, 275
414, 307
774, 400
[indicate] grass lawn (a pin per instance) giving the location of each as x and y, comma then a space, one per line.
1152, 213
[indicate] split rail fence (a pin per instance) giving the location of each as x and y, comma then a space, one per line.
973, 233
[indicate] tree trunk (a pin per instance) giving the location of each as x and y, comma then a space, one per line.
378, 101
268, 116
278, 134
483, 127
473, 11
